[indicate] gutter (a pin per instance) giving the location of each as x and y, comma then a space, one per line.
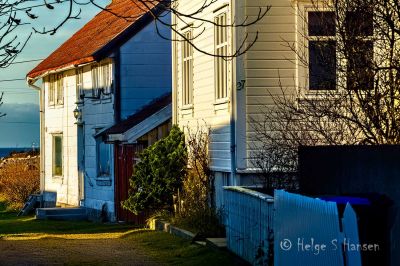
42, 139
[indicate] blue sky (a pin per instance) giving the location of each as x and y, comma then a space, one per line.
20, 127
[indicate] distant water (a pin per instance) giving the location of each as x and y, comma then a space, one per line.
6, 151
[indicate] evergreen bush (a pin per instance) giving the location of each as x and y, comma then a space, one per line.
158, 175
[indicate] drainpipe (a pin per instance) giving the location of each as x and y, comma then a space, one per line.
233, 116
42, 138
174, 72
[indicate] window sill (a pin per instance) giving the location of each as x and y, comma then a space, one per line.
221, 104
56, 106
187, 110
187, 107
58, 179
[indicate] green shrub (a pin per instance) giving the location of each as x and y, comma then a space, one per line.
159, 174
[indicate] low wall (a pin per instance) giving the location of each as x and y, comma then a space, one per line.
248, 221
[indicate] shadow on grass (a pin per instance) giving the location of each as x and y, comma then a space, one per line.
10, 224
172, 250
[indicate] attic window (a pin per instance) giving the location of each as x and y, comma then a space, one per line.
80, 93
101, 79
55, 89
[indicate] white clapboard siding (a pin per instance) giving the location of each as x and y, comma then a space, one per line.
270, 65
267, 68
204, 112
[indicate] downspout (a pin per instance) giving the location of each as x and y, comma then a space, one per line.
42, 131
233, 116
174, 74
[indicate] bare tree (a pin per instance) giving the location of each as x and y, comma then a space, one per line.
351, 92
20, 14
162, 8
1, 103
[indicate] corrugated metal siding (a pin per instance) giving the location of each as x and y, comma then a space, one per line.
300, 219
350, 230
249, 219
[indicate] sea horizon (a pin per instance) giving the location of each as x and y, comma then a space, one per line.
5, 151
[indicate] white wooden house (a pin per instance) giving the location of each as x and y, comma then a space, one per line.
224, 94
107, 71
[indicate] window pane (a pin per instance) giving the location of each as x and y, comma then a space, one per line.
360, 74
322, 60
103, 159
60, 89
51, 89
187, 70
359, 23
321, 24
79, 84
221, 50
57, 156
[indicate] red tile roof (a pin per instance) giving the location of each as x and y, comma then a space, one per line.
95, 35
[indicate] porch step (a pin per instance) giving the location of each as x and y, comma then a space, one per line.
64, 214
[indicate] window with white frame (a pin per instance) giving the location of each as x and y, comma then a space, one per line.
56, 89
106, 82
221, 51
51, 90
103, 159
60, 89
187, 69
95, 81
324, 54
101, 79
322, 50
80, 93
57, 160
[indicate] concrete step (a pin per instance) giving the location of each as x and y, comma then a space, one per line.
61, 214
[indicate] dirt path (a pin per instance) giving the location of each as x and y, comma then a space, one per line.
72, 252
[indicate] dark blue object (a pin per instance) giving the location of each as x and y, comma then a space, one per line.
344, 200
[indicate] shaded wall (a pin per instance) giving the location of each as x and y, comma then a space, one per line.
358, 170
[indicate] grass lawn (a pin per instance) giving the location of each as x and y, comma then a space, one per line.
159, 247
171, 250
10, 224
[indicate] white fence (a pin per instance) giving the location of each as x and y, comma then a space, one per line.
289, 229
249, 222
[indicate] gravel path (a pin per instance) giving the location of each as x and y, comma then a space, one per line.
72, 252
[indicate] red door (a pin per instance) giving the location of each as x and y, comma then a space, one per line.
124, 162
